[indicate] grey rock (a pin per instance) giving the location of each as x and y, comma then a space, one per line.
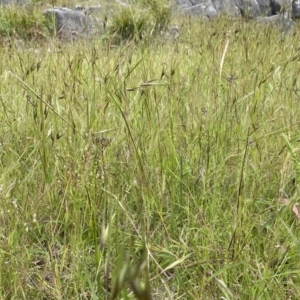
296, 9
13, 2
282, 21
250, 8
281, 5
227, 6
260, 8
254, 8
74, 23
273, 12
200, 9
211, 11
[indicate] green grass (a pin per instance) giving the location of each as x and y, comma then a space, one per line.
26, 23
151, 170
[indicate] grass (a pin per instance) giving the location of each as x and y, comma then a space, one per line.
151, 170
27, 23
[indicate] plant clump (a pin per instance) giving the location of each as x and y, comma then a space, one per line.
142, 22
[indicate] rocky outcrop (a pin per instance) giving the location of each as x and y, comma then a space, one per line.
74, 23
250, 8
258, 8
273, 12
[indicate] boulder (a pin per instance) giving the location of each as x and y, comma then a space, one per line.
73, 23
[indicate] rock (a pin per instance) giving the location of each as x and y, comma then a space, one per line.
227, 6
250, 8
201, 9
13, 2
90, 10
273, 12
296, 9
209, 8
73, 23
282, 21
254, 8
184, 4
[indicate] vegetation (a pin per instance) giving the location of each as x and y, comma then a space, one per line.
142, 23
137, 21
160, 170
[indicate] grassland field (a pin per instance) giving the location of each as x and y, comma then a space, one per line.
151, 169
